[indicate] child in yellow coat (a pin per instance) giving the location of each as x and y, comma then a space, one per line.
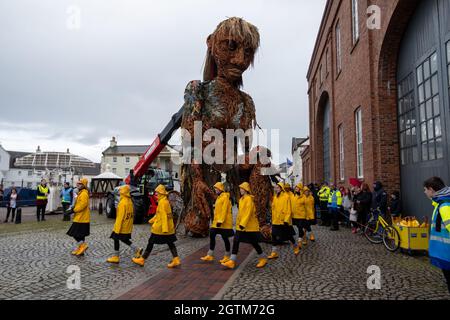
247, 228
310, 215
123, 226
222, 224
163, 230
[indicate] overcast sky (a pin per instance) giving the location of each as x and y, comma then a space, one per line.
124, 71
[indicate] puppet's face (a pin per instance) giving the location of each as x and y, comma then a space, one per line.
232, 57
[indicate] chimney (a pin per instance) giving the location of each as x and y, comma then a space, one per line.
38, 150
68, 151
113, 142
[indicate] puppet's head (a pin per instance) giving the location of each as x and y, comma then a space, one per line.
231, 50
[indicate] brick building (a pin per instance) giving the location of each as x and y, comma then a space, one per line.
379, 84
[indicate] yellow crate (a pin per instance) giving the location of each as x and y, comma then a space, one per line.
413, 238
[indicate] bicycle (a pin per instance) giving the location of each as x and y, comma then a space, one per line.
378, 231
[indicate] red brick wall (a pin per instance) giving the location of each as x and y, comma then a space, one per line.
367, 80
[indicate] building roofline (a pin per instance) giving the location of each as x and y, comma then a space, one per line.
319, 37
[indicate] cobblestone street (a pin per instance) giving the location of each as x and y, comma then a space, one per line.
33, 265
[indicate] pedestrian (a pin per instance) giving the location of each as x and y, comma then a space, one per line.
324, 194
123, 227
222, 224
42, 200
247, 228
282, 229
299, 212
310, 215
439, 249
80, 228
66, 196
363, 200
163, 230
334, 206
347, 204
379, 198
395, 207
12, 205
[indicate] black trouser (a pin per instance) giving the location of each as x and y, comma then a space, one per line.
66, 207
40, 212
117, 244
334, 217
79, 239
10, 210
362, 217
236, 244
148, 250
447, 278
324, 213
212, 242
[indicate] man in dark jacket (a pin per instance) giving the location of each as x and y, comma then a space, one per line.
379, 198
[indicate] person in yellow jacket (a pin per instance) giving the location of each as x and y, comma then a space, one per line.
222, 223
310, 209
163, 230
324, 195
247, 228
299, 212
282, 229
123, 227
80, 228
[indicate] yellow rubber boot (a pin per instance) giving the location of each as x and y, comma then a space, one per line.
312, 238
225, 259
230, 264
138, 253
175, 263
113, 259
305, 241
74, 252
273, 255
296, 250
207, 258
83, 248
262, 263
139, 261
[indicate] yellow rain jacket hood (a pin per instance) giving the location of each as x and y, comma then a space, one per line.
125, 212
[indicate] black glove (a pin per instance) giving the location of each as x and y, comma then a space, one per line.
241, 227
218, 224
286, 224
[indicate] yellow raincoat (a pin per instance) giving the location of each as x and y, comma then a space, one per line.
82, 214
281, 209
162, 222
247, 215
298, 207
222, 212
125, 212
310, 207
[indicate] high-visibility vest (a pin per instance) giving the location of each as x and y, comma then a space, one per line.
335, 197
43, 190
324, 194
439, 249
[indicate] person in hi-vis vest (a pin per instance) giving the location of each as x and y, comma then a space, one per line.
41, 200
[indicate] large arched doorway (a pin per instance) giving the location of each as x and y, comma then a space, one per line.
423, 101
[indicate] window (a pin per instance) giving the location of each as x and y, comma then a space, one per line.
127, 159
359, 144
114, 170
29, 185
448, 63
19, 173
127, 171
338, 49
341, 153
114, 159
326, 143
355, 21
407, 115
327, 57
30, 173
432, 147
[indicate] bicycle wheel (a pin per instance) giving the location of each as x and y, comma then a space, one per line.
391, 239
373, 232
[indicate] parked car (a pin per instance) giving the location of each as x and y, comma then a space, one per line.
26, 197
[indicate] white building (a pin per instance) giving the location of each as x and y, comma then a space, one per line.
298, 146
27, 169
123, 158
